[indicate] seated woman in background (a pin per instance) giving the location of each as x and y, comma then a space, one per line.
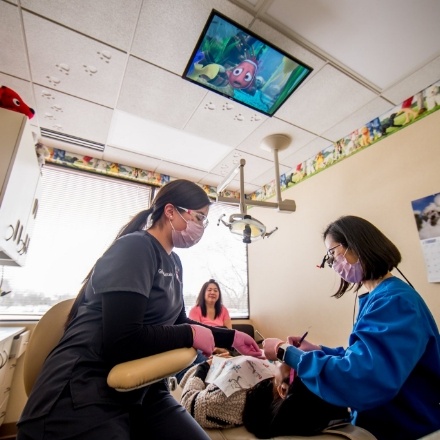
266, 397
209, 308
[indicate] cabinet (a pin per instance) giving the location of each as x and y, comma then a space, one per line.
13, 341
19, 187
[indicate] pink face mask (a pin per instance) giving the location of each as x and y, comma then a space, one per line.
189, 236
352, 273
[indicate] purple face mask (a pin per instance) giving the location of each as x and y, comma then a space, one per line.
189, 236
352, 273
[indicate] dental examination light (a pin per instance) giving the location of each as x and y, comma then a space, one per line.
242, 224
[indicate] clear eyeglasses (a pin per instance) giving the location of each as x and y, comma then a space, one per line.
201, 218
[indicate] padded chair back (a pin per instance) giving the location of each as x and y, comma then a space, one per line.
250, 330
45, 336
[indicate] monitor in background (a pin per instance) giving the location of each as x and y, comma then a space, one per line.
234, 62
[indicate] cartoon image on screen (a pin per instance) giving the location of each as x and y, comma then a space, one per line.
235, 63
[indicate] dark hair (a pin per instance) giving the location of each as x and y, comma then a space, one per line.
258, 408
179, 192
377, 254
267, 415
201, 302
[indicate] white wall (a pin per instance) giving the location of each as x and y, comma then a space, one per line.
288, 293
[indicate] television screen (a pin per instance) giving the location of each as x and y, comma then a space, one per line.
232, 61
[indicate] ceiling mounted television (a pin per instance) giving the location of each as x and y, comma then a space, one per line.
234, 62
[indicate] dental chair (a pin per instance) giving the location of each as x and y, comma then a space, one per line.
138, 373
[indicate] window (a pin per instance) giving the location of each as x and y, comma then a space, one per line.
219, 255
79, 215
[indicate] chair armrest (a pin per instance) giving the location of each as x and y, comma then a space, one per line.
139, 373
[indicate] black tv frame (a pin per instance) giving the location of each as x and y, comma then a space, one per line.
286, 94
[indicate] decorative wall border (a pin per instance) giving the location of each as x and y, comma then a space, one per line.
415, 107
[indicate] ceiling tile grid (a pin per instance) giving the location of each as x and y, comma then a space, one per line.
168, 30
219, 119
158, 95
105, 69
70, 62
325, 100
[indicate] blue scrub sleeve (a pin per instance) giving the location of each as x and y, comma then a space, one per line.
293, 356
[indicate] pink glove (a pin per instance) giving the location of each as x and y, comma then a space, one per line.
203, 339
304, 346
270, 346
246, 345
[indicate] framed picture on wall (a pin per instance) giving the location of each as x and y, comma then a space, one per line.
427, 216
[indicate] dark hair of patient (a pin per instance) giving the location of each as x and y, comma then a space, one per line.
179, 193
267, 415
259, 408
201, 301
377, 254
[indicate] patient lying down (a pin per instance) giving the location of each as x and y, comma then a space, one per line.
267, 398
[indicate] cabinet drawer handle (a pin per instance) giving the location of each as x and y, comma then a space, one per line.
21, 249
17, 226
19, 234
9, 233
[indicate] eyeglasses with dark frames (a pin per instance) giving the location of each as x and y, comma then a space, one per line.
201, 218
329, 257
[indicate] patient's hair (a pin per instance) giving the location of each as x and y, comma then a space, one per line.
258, 408
266, 415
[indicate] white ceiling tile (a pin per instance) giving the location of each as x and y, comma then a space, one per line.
225, 121
372, 110
72, 63
168, 30
307, 152
179, 171
275, 126
269, 175
153, 93
338, 30
254, 167
12, 49
424, 77
211, 179
323, 101
291, 47
143, 136
67, 114
100, 19
118, 155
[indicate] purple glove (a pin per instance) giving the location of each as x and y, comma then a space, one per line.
246, 345
203, 339
270, 346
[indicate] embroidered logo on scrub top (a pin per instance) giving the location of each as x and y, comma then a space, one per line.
165, 274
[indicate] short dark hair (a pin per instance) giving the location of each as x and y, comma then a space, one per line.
377, 254
266, 415
201, 301
258, 409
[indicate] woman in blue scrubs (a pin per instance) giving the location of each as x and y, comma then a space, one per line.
389, 374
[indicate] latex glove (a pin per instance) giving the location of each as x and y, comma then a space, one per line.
246, 345
203, 339
305, 345
270, 346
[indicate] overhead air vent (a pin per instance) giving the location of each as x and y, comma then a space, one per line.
74, 140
